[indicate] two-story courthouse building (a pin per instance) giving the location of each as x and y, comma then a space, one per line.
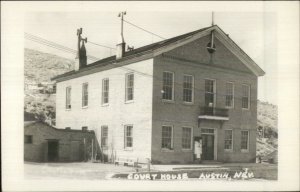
159, 100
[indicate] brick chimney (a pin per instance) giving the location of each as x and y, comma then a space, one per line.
120, 49
81, 59
121, 43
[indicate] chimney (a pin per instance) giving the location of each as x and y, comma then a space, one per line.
81, 59
85, 128
121, 43
120, 49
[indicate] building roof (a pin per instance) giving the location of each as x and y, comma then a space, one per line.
45, 125
151, 48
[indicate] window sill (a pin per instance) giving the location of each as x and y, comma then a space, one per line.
128, 102
105, 105
228, 150
85, 107
167, 101
226, 107
246, 109
188, 103
167, 150
128, 149
187, 150
244, 151
68, 109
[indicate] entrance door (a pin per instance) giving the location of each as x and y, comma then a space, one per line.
207, 147
52, 150
75, 155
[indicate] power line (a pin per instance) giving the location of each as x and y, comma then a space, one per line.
101, 45
54, 45
143, 29
69, 50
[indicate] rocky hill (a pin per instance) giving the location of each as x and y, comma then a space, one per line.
39, 66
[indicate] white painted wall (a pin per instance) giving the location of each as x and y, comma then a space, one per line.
117, 113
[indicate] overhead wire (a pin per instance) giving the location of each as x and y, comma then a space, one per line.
143, 29
55, 45
66, 49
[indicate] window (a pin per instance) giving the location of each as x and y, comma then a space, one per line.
85, 95
168, 85
188, 81
207, 131
229, 98
209, 92
244, 140
105, 91
28, 139
186, 138
167, 138
129, 86
68, 97
104, 136
246, 97
228, 140
128, 136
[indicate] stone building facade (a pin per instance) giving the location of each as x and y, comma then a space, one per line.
166, 100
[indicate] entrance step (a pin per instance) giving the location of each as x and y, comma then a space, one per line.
210, 162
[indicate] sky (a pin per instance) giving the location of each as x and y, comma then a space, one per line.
255, 32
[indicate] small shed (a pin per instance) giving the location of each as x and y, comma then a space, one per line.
44, 143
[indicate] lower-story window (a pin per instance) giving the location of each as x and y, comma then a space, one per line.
167, 137
186, 138
28, 139
245, 140
104, 136
128, 141
228, 140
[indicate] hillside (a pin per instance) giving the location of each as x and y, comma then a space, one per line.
39, 67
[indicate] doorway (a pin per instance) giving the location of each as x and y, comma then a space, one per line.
75, 153
208, 147
52, 151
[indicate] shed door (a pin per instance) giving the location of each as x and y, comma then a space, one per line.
75, 153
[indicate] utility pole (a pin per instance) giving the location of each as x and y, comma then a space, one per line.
212, 19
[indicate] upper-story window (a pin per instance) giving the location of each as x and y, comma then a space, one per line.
85, 94
105, 91
245, 96
229, 97
188, 81
129, 87
168, 86
68, 97
210, 92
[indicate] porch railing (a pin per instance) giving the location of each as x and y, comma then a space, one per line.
214, 111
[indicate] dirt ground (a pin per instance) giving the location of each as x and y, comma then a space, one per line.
88, 171
99, 171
